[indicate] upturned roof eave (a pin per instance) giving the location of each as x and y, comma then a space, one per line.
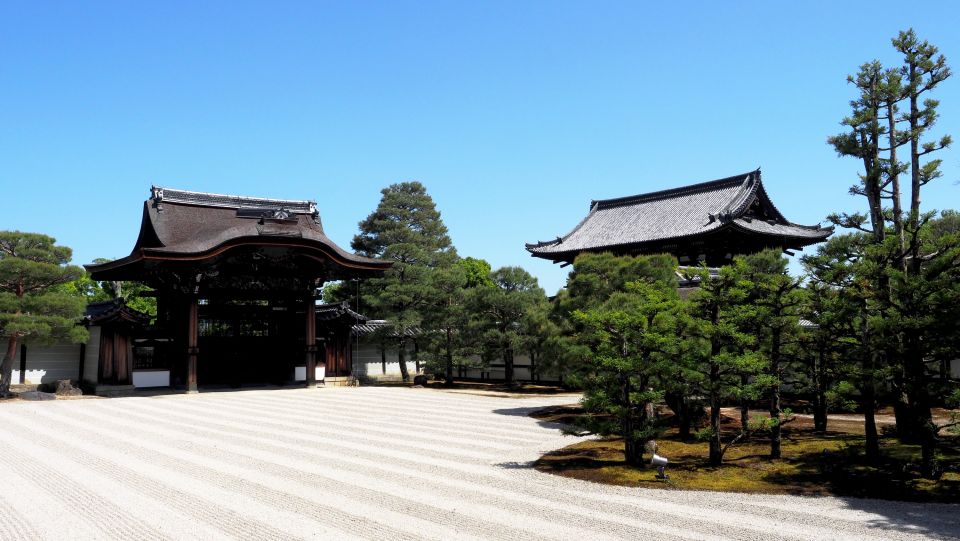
569, 255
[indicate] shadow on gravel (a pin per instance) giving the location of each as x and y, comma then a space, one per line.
935, 520
546, 417
515, 465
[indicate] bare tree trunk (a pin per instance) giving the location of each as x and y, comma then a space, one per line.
448, 377
402, 358
6, 368
508, 365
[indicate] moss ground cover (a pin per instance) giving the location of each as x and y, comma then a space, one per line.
812, 464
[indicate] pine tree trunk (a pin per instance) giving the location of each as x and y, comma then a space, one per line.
872, 443
508, 365
402, 358
820, 412
716, 450
895, 179
744, 409
632, 450
920, 414
819, 393
6, 368
448, 377
776, 430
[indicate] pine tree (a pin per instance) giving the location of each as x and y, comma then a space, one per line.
405, 229
500, 314
33, 305
903, 271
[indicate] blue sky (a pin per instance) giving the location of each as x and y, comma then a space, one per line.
513, 114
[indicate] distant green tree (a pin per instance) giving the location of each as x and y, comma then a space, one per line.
447, 316
33, 306
136, 295
405, 229
501, 315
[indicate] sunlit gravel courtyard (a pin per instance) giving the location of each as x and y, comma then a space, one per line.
363, 463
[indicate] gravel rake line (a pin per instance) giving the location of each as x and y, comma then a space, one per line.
361, 401
250, 450
439, 411
189, 457
407, 441
678, 510
475, 494
809, 521
462, 441
687, 514
14, 525
230, 522
307, 440
85, 504
439, 423
447, 515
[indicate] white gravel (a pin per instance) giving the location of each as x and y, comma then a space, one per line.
367, 463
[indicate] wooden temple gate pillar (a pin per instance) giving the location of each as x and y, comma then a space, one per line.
116, 360
192, 349
311, 342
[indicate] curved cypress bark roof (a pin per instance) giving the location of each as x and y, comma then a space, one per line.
735, 208
180, 225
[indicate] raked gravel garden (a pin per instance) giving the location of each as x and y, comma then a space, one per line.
365, 463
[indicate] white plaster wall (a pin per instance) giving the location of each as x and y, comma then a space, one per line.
300, 372
367, 362
91, 360
151, 378
50, 363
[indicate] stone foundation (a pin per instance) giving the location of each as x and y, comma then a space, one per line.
114, 390
340, 381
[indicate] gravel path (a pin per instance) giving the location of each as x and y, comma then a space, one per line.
367, 463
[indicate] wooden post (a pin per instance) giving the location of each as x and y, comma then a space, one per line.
192, 348
83, 357
311, 341
23, 363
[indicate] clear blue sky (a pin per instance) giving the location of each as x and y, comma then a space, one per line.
513, 114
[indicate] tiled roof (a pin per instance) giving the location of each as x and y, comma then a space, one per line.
375, 325
328, 312
180, 224
664, 216
114, 311
173, 195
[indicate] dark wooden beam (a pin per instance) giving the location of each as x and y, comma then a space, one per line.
311, 342
83, 355
192, 349
23, 363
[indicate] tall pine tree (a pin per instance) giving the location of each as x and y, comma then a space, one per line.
405, 229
